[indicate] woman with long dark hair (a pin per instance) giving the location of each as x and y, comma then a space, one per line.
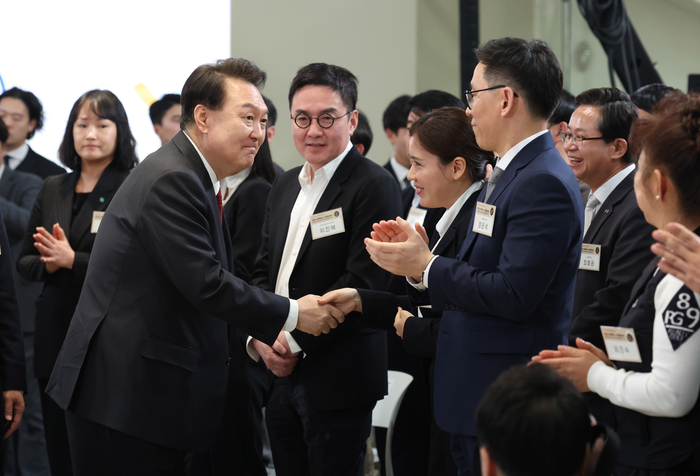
100, 150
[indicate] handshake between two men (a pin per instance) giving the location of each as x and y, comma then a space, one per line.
390, 246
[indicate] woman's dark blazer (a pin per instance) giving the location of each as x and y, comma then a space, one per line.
58, 299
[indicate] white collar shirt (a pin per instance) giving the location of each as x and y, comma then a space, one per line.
229, 185
451, 213
210, 170
400, 171
17, 156
607, 188
508, 157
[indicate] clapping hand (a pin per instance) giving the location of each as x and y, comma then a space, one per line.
55, 250
399, 248
680, 250
572, 362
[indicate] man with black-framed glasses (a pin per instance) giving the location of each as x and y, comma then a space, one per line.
321, 399
617, 238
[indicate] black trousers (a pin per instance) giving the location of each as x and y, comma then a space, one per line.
99, 450
56, 433
316, 443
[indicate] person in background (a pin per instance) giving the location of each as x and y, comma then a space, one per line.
558, 124
647, 97
394, 123
651, 372
23, 115
99, 148
270, 128
362, 137
25, 449
165, 116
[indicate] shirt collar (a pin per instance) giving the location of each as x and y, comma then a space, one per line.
399, 170
18, 155
607, 188
2, 167
230, 184
210, 171
326, 172
510, 155
451, 213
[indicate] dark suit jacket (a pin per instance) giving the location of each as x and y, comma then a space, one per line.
61, 290
347, 367
18, 191
508, 296
13, 375
625, 239
36, 164
155, 306
390, 169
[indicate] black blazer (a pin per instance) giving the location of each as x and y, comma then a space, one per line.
55, 306
13, 375
155, 306
38, 165
18, 191
625, 239
348, 366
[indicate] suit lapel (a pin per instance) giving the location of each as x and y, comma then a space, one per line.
6, 182
451, 235
608, 207
64, 202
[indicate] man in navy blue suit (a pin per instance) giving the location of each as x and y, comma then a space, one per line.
509, 292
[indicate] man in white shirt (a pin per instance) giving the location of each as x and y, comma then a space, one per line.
509, 292
617, 238
320, 403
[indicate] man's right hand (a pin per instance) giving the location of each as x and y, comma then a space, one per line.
316, 319
278, 358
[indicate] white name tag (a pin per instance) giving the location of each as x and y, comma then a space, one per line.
590, 257
416, 215
621, 344
96, 220
327, 223
483, 218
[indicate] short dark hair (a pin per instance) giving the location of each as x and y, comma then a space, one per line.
396, 114
617, 114
534, 423
262, 164
106, 106
4, 133
363, 133
36, 110
206, 85
271, 111
565, 108
529, 67
335, 77
447, 132
432, 99
647, 97
671, 142
160, 107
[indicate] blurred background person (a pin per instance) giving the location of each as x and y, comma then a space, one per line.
165, 116
647, 97
99, 148
655, 396
25, 449
271, 129
23, 115
394, 123
362, 137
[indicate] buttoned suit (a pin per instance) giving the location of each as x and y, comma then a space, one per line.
346, 368
147, 350
507, 296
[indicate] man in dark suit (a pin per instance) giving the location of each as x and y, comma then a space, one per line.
23, 115
13, 382
510, 291
25, 450
394, 123
617, 238
319, 411
143, 369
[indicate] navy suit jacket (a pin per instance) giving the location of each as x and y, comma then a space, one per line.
347, 367
508, 296
147, 350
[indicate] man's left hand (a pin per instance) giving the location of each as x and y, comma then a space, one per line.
14, 408
400, 321
403, 258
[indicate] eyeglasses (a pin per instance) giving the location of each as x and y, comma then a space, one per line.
578, 140
326, 121
470, 94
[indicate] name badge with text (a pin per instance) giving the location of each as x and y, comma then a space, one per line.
483, 218
416, 215
327, 223
621, 344
96, 220
590, 257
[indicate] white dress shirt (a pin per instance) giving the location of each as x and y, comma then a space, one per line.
17, 156
607, 188
312, 188
400, 171
293, 316
230, 184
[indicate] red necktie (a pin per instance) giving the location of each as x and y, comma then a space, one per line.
220, 202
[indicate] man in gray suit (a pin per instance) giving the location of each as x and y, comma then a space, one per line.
25, 449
